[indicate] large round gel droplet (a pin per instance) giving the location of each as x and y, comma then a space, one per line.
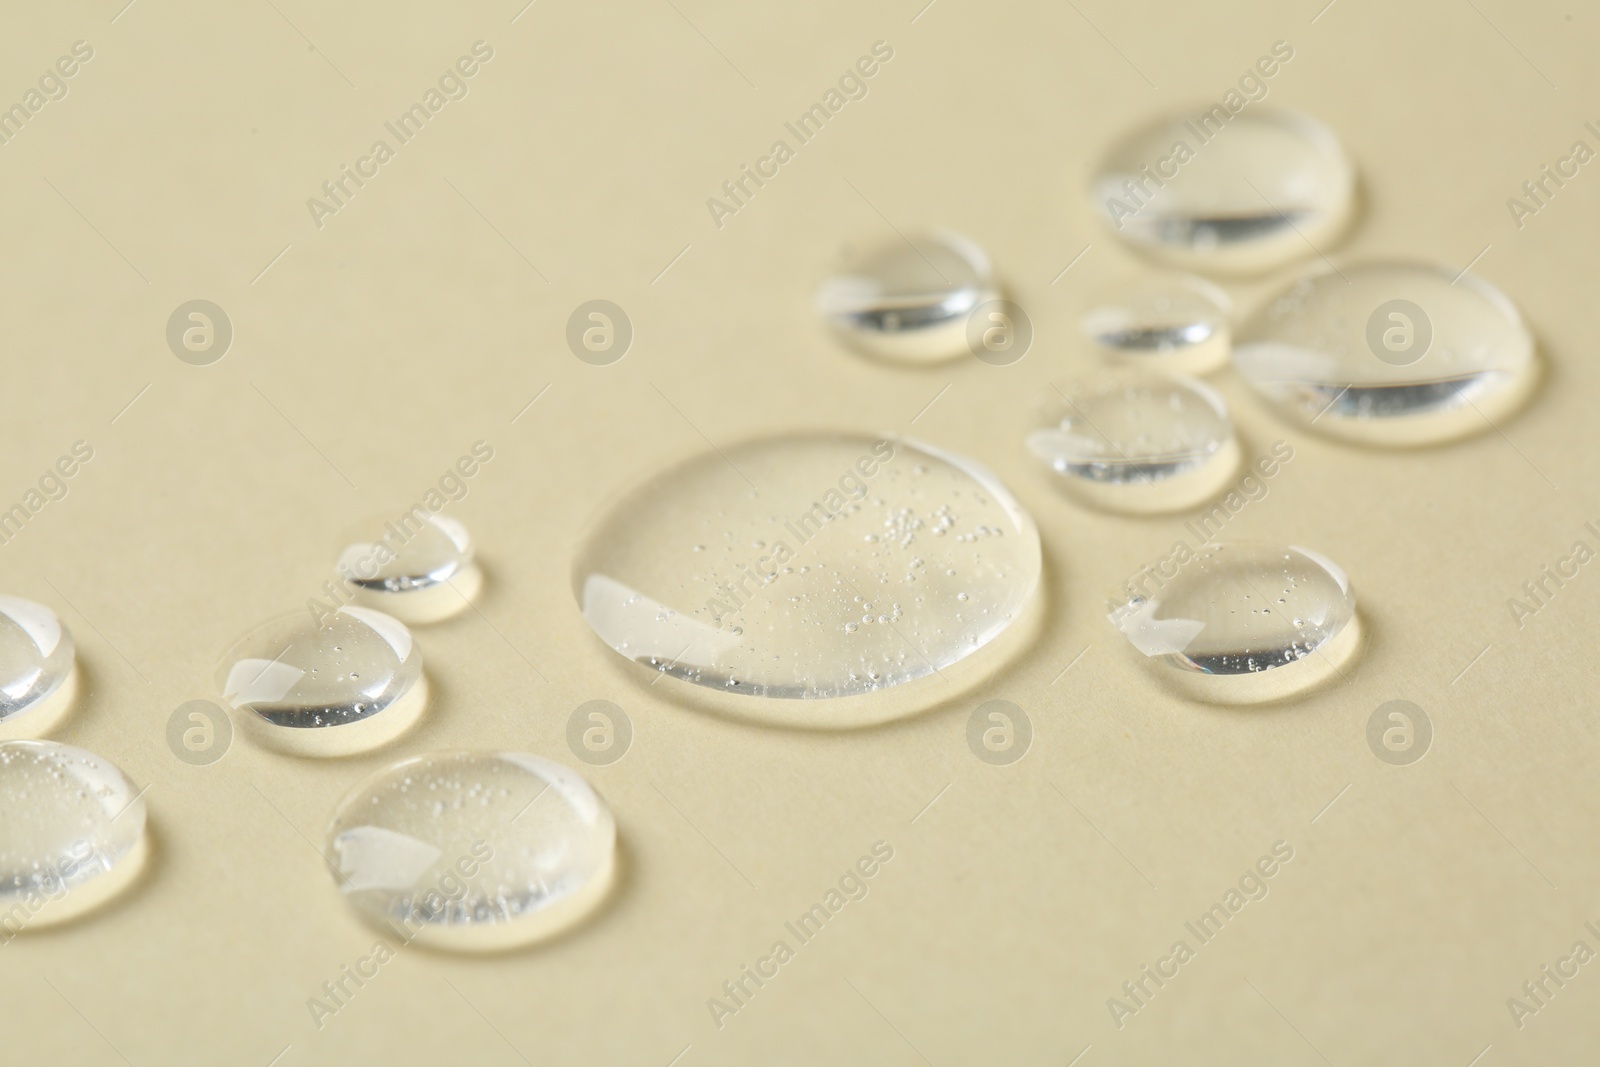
811, 566
1140, 444
348, 685
1176, 324
1390, 353
1242, 624
72, 836
1223, 193
37, 680
910, 298
418, 570
474, 851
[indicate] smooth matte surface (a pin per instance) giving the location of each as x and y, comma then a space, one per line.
426, 314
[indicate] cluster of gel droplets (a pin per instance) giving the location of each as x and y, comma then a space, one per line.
826, 570
460, 851
345, 674
1385, 353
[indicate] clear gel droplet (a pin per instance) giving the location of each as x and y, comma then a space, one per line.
474, 851
1139, 444
418, 570
73, 835
1242, 624
909, 299
1220, 193
1175, 324
348, 684
811, 498
37, 680
1390, 353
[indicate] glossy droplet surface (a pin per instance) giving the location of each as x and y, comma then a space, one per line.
1240, 623
1175, 324
349, 684
1390, 353
810, 566
36, 668
474, 851
1139, 443
418, 570
1227, 194
909, 298
72, 836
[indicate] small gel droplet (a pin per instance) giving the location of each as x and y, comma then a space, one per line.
37, 679
1202, 626
346, 684
416, 571
909, 299
1140, 444
1175, 324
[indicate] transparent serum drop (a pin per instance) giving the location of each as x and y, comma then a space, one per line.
808, 567
37, 679
345, 683
1139, 444
909, 299
73, 835
1227, 194
1174, 324
474, 852
418, 570
1390, 353
1242, 624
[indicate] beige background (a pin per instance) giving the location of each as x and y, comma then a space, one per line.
425, 315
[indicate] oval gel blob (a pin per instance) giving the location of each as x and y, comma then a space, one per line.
418, 570
474, 852
810, 567
348, 683
37, 676
1390, 353
1174, 324
73, 834
1242, 624
909, 299
1227, 193
1139, 444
